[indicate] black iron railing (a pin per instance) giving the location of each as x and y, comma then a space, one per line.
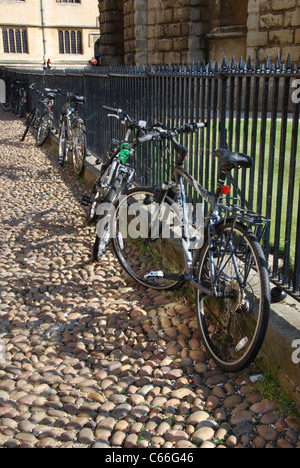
249, 107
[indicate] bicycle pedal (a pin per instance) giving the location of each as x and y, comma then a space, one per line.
86, 201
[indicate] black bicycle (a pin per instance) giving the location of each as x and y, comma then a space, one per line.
41, 117
16, 97
220, 256
115, 178
72, 133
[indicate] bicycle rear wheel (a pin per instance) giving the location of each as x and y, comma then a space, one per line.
147, 242
233, 322
5, 106
43, 130
79, 147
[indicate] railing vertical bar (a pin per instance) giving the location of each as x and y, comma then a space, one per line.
254, 139
270, 183
297, 252
291, 190
282, 156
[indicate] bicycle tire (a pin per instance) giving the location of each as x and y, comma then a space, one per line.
15, 102
103, 233
21, 107
5, 106
100, 192
136, 254
43, 130
233, 328
79, 147
62, 143
29, 123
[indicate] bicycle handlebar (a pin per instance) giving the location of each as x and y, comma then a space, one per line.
124, 118
163, 134
158, 133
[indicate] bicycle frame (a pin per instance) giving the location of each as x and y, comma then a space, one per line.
213, 218
191, 259
113, 156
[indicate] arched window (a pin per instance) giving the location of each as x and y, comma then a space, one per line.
15, 41
69, 42
24, 41
73, 42
79, 42
18, 41
12, 47
5, 41
61, 42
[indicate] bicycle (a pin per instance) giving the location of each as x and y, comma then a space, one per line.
227, 269
16, 98
115, 178
41, 117
72, 133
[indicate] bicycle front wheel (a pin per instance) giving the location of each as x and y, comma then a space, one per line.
43, 130
105, 215
62, 145
79, 148
147, 241
234, 320
30, 122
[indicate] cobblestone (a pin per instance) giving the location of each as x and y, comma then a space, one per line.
90, 358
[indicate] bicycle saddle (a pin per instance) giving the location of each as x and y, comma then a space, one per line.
78, 99
230, 160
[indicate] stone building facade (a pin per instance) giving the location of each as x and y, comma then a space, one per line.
31, 31
157, 31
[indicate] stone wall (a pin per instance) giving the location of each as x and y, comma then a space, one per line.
171, 31
274, 28
142, 31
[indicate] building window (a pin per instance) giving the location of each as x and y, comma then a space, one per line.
70, 42
15, 41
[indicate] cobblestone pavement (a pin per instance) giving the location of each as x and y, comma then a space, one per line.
89, 359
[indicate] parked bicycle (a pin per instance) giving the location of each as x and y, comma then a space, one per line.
41, 117
115, 179
72, 133
16, 98
227, 269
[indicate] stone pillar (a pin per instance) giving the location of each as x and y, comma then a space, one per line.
199, 28
111, 29
141, 31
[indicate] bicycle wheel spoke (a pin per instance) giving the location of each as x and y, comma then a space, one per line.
233, 321
142, 246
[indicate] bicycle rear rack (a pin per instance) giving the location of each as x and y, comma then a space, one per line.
235, 212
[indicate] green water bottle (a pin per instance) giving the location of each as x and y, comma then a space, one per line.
125, 152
